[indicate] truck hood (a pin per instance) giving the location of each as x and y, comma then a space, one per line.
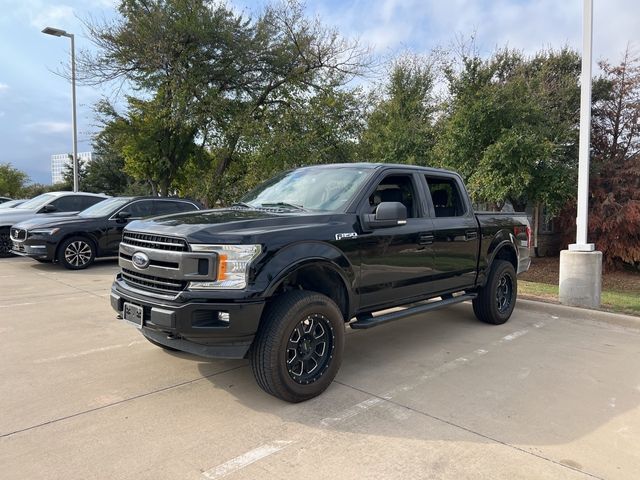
231, 225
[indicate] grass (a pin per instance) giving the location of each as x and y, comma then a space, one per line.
625, 302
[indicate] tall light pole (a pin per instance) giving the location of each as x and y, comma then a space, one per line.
581, 265
56, 32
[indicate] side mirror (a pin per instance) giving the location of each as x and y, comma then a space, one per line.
388, 214
49, 208
123, 215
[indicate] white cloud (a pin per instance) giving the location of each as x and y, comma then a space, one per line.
49, 127
3, 87
528, 25
51, 15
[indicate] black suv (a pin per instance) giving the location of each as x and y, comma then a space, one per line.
75, 241
45, 205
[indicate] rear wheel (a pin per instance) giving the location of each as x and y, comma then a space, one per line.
496, 300
298, 348
76, 253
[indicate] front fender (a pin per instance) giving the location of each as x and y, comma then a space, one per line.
293, 257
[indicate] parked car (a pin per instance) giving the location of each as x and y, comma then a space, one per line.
276, 277
75, 241
4, 199
11, 204
47, 204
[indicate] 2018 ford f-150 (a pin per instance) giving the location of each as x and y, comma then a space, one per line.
276, 277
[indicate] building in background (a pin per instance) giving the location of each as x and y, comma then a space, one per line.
60, 161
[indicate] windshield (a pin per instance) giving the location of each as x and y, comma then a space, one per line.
104, 208
323, 189
36, 202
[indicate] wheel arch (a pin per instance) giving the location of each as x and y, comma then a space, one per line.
314, 266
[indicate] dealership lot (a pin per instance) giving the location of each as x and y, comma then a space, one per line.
554, 393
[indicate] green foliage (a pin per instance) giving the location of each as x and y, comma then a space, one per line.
211, 76
12, 181
400, 128
511, 127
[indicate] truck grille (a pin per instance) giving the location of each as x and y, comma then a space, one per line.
18, 234
155, 284
157, 242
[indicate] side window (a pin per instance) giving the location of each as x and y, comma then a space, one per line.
395, 188
184, 207
445, 194
67, 203
87, 201
165, 207
141, 209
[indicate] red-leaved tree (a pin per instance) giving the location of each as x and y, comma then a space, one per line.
614, 203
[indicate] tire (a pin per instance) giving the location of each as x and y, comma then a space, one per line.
5, 244
298, 348
169, 349
76, 253
496, 300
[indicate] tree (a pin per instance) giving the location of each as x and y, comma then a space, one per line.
211, 75
511, 127
401, 126
12, 180
614, 213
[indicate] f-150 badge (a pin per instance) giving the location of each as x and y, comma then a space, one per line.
340, 236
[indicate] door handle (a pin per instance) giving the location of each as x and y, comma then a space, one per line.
470, 234
425, 239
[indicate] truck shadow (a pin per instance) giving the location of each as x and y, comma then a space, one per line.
525, 382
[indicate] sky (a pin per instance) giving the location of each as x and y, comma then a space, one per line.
35, 103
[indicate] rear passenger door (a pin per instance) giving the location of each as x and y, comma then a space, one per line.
455, 231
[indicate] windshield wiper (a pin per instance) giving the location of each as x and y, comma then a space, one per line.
283, 204
242, 204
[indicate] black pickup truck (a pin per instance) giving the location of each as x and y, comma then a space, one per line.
276, 277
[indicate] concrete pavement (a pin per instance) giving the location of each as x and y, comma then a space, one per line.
554, 393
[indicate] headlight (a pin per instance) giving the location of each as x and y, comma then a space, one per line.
44, 231
233, 266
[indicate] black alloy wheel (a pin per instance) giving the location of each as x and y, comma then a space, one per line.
503, 293
297, 350
5, 243
497, 298
309, 349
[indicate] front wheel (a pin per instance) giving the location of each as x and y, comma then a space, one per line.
496, 300
298, 348
76, 253
5, 243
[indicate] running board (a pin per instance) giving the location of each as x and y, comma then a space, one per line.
370, 322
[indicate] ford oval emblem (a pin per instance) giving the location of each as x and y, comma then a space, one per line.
140, 260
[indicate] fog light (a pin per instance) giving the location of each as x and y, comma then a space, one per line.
223, 317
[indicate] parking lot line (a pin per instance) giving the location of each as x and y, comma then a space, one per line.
245, 459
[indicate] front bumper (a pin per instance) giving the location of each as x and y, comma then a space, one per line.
34, 249
195, 326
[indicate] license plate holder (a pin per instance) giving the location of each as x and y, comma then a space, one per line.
133, 314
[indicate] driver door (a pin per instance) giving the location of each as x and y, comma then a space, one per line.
138, 209
396, 262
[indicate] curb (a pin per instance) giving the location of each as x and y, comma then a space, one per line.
619, 319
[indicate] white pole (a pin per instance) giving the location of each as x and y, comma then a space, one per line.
582, 220
73, 114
